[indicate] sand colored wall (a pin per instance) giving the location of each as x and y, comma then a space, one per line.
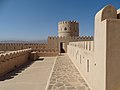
41, 48
100, 67
113, 57
13, 59
19, 46
106, 51
100, 55
81, 53
54, 42
47, 52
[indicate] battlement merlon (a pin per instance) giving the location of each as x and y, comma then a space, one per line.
68, 22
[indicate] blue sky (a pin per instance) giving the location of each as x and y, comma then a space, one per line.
38, 19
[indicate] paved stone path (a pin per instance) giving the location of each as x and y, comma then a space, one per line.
65, 76
34, 77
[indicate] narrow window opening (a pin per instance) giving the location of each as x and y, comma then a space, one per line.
89, 46
65, 28
86, 46
88, 65
80, 59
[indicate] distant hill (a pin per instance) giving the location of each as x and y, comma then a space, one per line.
20, 41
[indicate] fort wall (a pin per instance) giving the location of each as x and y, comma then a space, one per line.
54, 41
47, 52
13, 59
99, 61
42, 49
19, 46
81, 54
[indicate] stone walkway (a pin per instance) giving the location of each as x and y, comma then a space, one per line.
65, 76
32, 76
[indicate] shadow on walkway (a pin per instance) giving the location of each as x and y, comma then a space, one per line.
18, 70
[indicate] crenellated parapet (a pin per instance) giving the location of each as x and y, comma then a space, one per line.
71, 38
13, 59
12, 54
19, 46
86, 38
68, 22
85, 45
53, 37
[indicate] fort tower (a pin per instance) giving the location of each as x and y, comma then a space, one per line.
68, 28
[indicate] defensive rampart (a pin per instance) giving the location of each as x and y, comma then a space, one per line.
47, 52
19, 46
99, 62
13, 59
